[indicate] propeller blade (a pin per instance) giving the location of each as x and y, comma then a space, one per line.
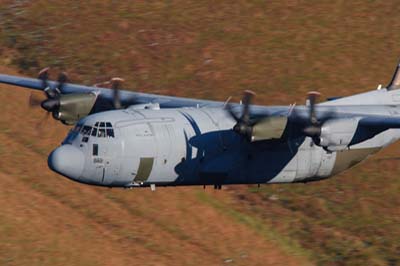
44, 76
115, 86
62, 79
312, 98
35, 100
246, 101
44, 73
243, 125
228, 108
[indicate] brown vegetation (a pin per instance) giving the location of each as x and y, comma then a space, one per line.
205, 49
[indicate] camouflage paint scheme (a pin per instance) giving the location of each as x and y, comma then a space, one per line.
197, 147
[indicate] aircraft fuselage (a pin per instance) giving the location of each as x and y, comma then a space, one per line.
192, 146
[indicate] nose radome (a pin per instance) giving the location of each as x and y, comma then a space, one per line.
68, 161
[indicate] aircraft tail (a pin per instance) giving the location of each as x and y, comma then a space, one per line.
395, 82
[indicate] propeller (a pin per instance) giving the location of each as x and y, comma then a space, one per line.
65, 107
115, 85
243, 124
34, 99
62, 79
52, 101
314, 126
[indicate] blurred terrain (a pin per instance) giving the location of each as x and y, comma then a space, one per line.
204, 49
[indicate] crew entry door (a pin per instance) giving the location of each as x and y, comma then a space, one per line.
138, 152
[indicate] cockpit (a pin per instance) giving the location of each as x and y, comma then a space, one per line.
99, 130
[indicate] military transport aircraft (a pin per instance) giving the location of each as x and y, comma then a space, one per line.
130, 139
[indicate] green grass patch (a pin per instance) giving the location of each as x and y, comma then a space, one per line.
259, 226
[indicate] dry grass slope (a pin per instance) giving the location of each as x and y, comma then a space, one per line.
209, 49
46, 219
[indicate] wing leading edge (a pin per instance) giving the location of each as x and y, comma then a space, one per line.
131, 98
127, 97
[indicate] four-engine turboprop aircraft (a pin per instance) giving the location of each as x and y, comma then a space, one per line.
130, 139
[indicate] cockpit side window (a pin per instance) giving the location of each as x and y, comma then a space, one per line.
77, 128
86, 130
94, 132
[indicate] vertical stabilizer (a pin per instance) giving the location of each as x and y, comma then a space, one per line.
395, 82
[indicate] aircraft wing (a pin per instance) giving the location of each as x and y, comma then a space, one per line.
127, 97
67, 112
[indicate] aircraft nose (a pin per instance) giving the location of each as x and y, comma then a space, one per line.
68, 161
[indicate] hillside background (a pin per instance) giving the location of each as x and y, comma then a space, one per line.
205, 49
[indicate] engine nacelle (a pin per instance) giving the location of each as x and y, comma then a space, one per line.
337, 134
73, 107
269, 128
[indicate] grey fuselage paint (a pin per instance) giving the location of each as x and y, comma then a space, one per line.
197, 146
